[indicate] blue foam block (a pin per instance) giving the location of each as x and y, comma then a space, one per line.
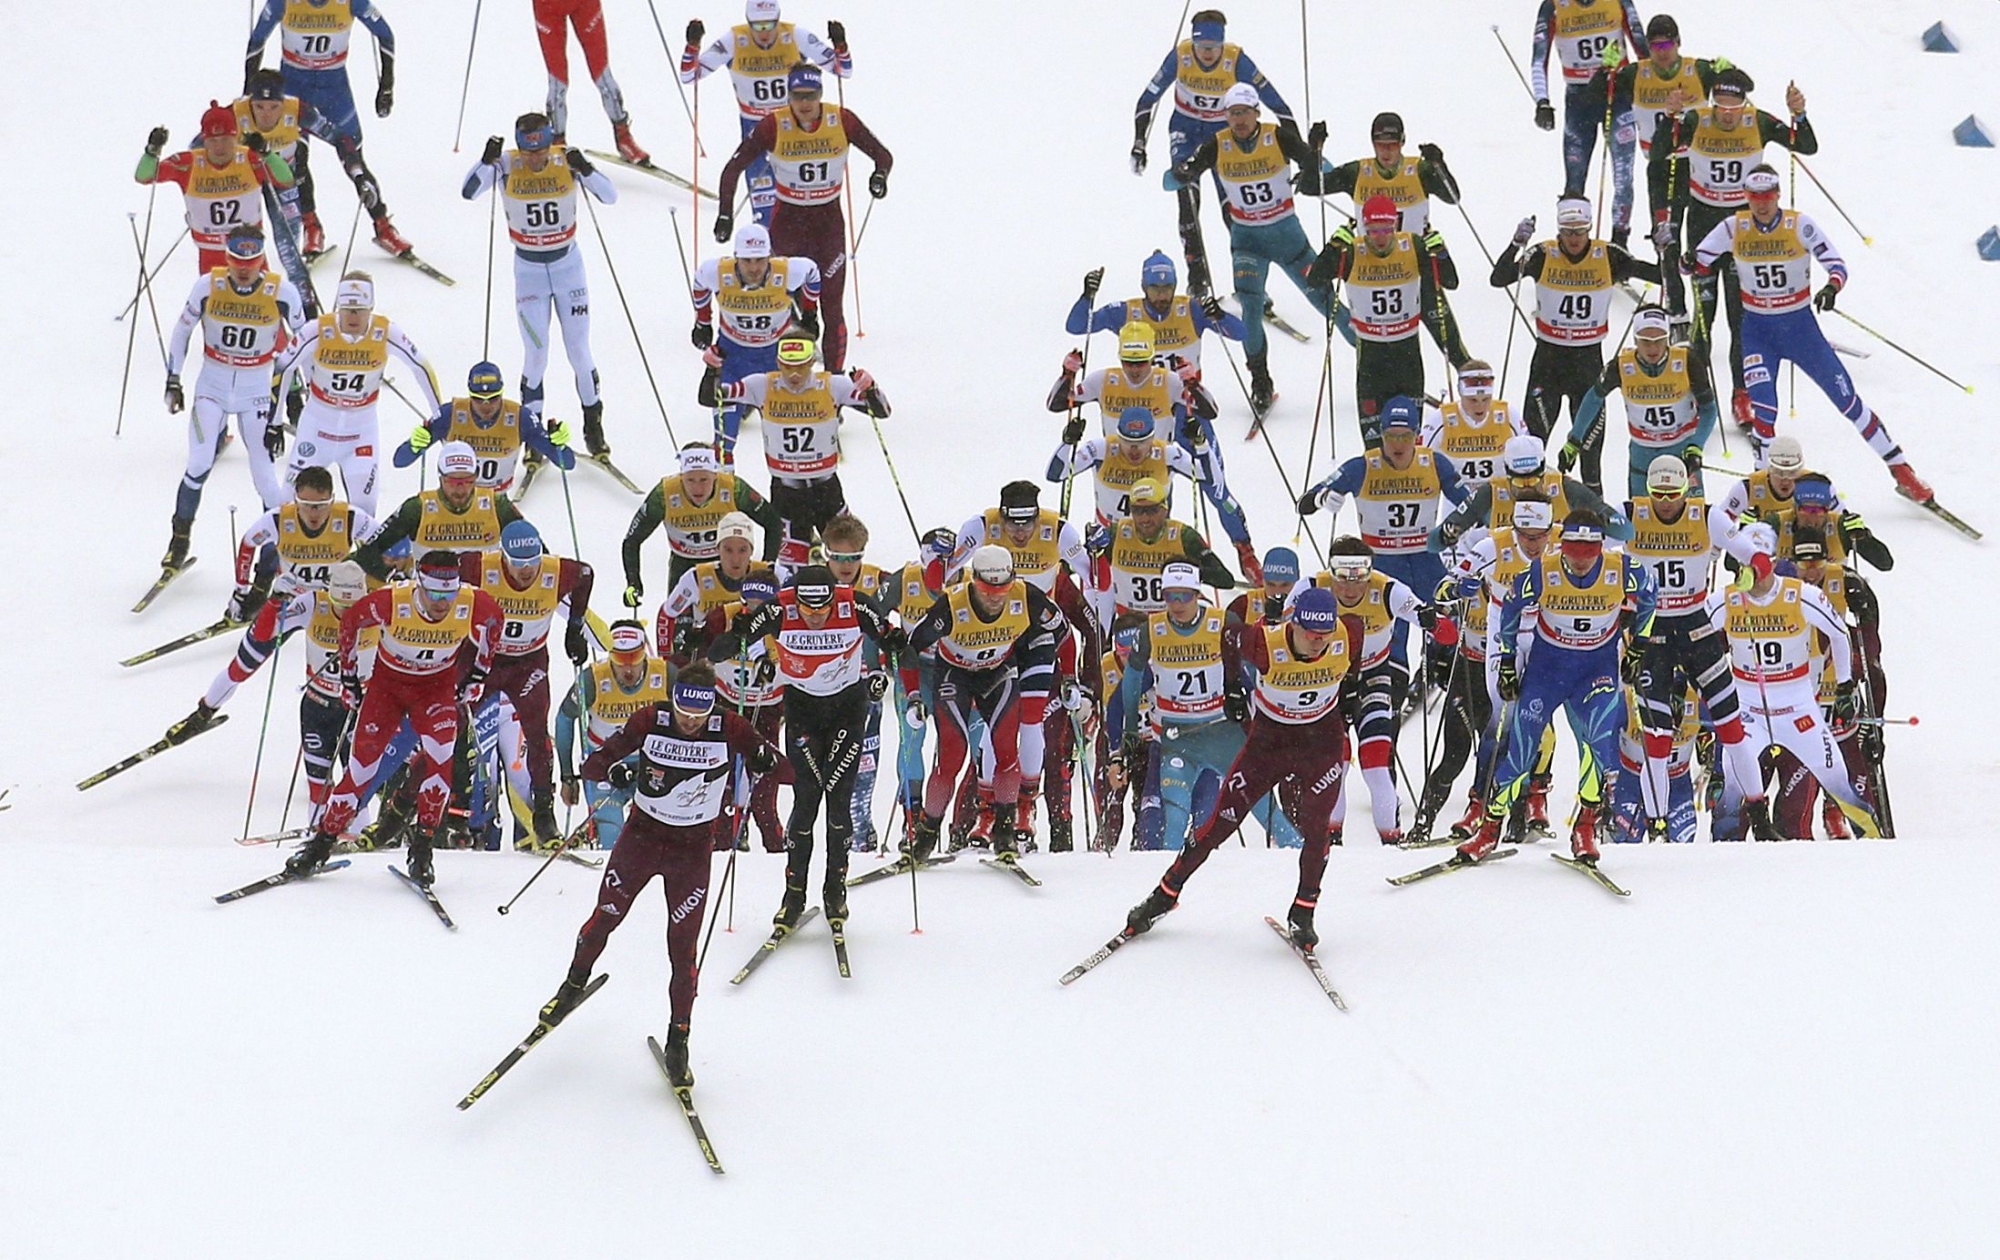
1989, 244
1939, 39
1972, 134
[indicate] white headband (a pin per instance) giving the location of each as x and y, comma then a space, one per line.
354, 292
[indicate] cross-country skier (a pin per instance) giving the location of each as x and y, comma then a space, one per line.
222, 181
690, 506
750, 299
1670, 406
459, 515
807, 142
1772, 251
341, 357
553, 21
437, 642
538, 182
245, 312
1177, 320
1297, 743
313, 36
1586, 35
608, 693
1408, 182
267, 108
497, 429
688, 750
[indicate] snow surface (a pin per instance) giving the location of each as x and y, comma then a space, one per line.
1764, 1052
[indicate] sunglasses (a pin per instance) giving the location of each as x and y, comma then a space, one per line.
1181, 596
763, 26
844, 557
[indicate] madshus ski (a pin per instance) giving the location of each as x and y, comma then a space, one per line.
1012, 865
1590, 869
1311, 960
1456, 862
540, 1031
684, 1095
272, 881
153, 749
901, 866
167, 574
770, 946
428, 894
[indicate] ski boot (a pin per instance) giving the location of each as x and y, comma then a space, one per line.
1835, 820
1537, 798
177, 546
1427, 812
192, 725
311, 855
923, 838
565, 1000
1247, 561
1909, 485
547, 835
1006, 841
1757, 813
1062, 838
417, 856
628, 148
593, 431
1475, 813
389, 238
386, 832
1301, 921
679, 1075
833, 899
1143, 916
1261, 393
1484, 841
1621, 235
791, 907
1658, 831
1392, 837
1739, 408
314, 240
1583, 833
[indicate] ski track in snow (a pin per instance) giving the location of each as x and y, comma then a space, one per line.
1767, 1051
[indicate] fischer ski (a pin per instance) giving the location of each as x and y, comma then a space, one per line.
272, 881
1456, 862
167, 575
657, 172
540, 1031
218, 627
1590, 869
1311, 960
778, 937
684, 1095
901, 866
429, 895
1109, 948
153, 749
1013, 867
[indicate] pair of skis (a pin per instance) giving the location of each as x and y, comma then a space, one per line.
220, 626
282, 878
1306, 954
779, 935
1459, 862
683, 1094
531, 471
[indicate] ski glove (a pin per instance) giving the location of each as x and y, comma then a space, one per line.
725, 226
634, 592
1211, 306
1431, 153
274, 441
559, 437
385, 91
878, 684
574, 646
620, 775
490, 156
1138, 143
1823, 300
764, 672
695, 31
176, 400
762, 759
702, 334
420, 438
1091, 279
1072, 432
1871, 743
836, 33
1524, 230
1427, 617
1634, 663
1508, 681
941, 542
915, 713
1316, 137
244, 604
1309, 502
156, 139
1566, 457
1236, 706
1847, 701
580, 162
1691, 456
1545, 116
878, 184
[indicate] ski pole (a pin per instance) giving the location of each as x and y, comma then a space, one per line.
1322, 406
1514, 63
631, 323
728, 869
1075, 416
353, 230
1865, 238
693, 116
132, 333
1513, 290
547, 862
897, 480
856, 253
257, 766
152, 275
847, 187
1265, 433
1912, 720
298, 761
1899, 349
916, 919
492, 218
466, 86
139, 246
